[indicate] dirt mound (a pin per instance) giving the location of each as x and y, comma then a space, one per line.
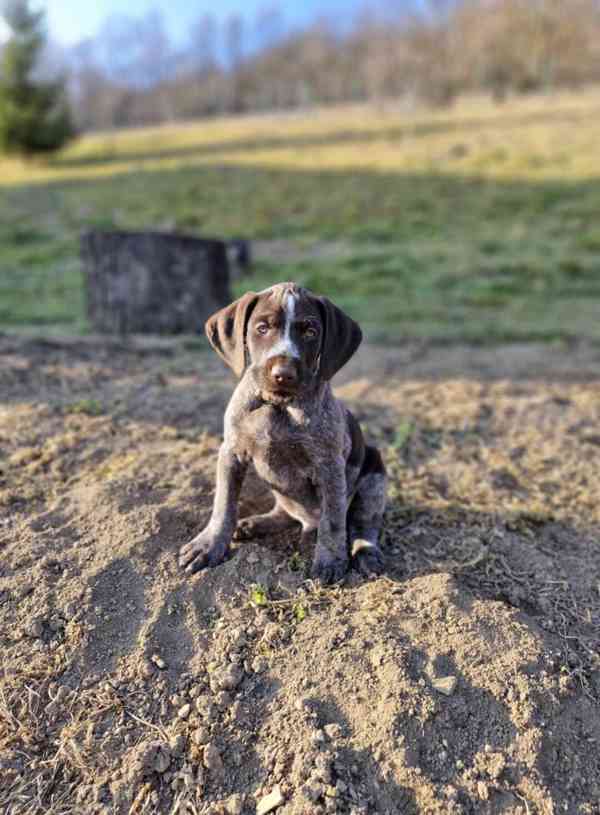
464, 680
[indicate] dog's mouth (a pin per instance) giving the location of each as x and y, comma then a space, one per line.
281, 390
279, 395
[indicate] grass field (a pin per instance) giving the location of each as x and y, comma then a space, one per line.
477, 223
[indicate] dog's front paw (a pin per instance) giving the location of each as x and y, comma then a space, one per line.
328, 568
205, 550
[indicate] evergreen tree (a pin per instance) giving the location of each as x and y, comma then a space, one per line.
34, 114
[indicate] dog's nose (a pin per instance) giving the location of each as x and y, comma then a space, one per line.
284, 373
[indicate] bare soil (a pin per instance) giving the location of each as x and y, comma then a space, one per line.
466, 679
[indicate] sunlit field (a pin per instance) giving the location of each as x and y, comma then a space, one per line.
479, 222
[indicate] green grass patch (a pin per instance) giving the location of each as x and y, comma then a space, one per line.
89, 407
428, 251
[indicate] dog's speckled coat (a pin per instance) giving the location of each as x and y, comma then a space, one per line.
285, 344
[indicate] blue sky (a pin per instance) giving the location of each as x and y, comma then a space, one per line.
70, 21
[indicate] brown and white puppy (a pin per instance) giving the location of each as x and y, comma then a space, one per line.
285, 344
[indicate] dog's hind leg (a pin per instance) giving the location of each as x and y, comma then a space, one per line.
365, 514
259, 526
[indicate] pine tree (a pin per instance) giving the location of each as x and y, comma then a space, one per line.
34, 114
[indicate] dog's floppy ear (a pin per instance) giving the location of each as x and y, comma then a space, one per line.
226, 331
341, 338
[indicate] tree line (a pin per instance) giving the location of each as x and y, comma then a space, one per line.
132, 74
429, 53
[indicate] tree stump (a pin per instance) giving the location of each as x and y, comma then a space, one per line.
153, 282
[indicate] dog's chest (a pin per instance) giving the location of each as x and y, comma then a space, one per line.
280, 443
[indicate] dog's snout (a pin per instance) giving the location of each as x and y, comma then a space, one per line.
284, 373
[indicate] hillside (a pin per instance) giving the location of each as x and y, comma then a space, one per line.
478, 222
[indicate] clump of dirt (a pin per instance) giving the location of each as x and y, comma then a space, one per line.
466, 679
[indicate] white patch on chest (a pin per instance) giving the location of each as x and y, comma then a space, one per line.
286, 347
298, 416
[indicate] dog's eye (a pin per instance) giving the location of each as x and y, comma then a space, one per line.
310, 332
262, 328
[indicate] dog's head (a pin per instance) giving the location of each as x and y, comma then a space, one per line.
288, 337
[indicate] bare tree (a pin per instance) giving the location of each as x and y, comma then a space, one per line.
203, 44
428, 49
234, 54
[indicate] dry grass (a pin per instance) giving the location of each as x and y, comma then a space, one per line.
539, 137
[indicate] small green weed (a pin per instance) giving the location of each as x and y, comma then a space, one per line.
299, 612
90, 407
403, 433
258, 595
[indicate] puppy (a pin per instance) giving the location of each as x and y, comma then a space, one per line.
285, 344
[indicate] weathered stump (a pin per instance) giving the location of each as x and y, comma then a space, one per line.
153, 282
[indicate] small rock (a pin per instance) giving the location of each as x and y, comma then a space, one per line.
445, 684
36, 628
313, 790
159, 662
206, 708
496, 765
234, 805
184, 711
149, 757
271, 632
238, 640
451, 792
147, 669
223, 699
333, 731
201, 735
322, 768
212, 759
230, 677
318, 737
270, 801
162, 761
236, 711
260, 665
482, 790
177, 744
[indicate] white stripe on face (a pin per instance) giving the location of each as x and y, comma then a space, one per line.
286, 347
